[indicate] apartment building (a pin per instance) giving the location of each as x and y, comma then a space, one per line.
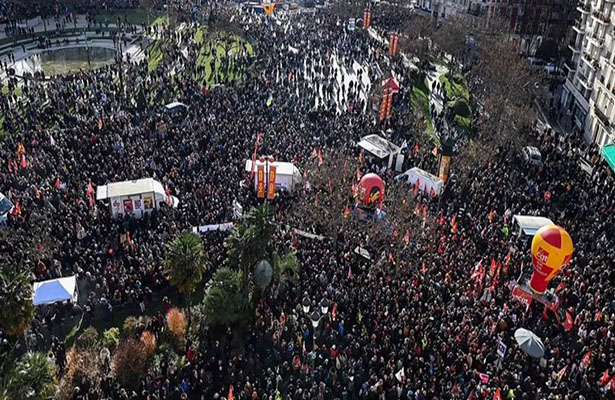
589, 91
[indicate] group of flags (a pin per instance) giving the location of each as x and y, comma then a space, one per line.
13, 165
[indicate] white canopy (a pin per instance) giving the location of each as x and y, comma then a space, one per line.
378, 146
54, 290
530, 224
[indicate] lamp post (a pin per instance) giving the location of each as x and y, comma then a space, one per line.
315, 319
324, 306
306, 305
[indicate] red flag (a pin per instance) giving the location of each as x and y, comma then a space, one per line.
598, 316
605, 378
90, 189
416, 149
320, 160
561, 373
454, 228
424, 268
484, 378
492, 267
569, 323
347, 212
36, 192
167, 191
491, 215
258, 139
497, 395
390, 256
129, 241
361, 158
611, 384
587, 359
230, 395
58, 182
24, 163
10, 166
359, 175
334, 311
17, 209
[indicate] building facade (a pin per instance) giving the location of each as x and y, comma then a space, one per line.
589, 92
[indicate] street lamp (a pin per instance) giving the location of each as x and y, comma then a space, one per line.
324, 306
306, 305
315, 319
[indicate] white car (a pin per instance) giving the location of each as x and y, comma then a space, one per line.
532, 155
5, 208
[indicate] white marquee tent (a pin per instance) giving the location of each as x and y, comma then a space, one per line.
54, 290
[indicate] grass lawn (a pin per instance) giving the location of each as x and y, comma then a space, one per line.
236, 44
135, 17
155, 56
420, 98
455, 88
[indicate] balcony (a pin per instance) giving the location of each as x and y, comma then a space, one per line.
596, 41
579, 30
585, 84
601, 18
601, 116
584, 8
591, 62
574, 49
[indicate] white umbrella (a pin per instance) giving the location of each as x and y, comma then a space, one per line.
529, 343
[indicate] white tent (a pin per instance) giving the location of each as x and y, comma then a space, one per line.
54, 290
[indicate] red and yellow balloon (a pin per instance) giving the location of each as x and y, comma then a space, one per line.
551, 251
371, 191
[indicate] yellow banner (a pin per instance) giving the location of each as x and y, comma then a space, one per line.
271, 183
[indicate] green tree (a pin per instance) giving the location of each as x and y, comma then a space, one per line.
17, 309
33, 378
226, 304
185, 263
249, 242
286, 268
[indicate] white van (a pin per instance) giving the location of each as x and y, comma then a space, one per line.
5, 208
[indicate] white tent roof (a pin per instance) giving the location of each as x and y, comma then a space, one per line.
128, 188
282, 168
530, 224
378, 146
54, 290
174, 105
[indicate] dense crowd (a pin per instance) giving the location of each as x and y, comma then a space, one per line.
421, 313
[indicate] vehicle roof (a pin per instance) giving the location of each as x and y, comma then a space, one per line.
128, 188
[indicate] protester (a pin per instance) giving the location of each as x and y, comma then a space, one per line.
420, 328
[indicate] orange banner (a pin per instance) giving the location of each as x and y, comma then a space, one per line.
271, 183
260, 183
389, 104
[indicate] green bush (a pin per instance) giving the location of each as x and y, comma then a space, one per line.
111, 338
460, 107
129, 329
88, 339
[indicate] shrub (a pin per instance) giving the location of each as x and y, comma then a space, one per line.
129, 361
176, 322
149, 343
111, 338
129, 329
83, 369
461, 107
88, 339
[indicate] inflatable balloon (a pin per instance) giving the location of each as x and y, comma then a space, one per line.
370, 191
551, 251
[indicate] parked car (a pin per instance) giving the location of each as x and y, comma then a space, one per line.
532, 155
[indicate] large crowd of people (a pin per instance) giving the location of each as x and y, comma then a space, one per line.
417, 326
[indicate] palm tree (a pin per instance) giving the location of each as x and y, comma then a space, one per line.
17, 309
286, 268
185, 263
249, 242
226, 303
33, 378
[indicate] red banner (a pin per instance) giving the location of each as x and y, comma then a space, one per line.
260, 183
271, 183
